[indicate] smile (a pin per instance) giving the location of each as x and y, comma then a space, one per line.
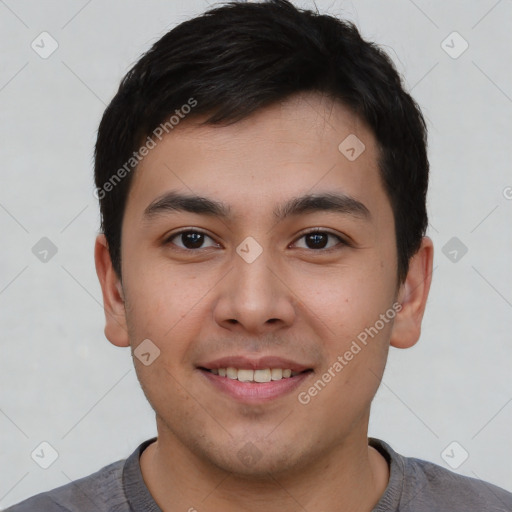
249, 375
254, 386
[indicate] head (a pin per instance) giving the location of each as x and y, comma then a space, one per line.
249, 127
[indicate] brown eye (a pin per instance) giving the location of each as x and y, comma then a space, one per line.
316, 240
190, 240
321, 240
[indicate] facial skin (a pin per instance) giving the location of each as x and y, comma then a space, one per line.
293, 301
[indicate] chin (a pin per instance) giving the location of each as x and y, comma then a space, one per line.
258, 469
255, 459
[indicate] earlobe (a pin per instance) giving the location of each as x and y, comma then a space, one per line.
413, 296
113, 295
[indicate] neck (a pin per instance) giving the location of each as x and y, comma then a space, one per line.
351, 477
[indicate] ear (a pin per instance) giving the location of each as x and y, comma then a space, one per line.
412, 295
113, 299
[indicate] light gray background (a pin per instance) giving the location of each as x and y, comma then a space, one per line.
62, 382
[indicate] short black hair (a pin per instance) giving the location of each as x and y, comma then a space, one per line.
238, 58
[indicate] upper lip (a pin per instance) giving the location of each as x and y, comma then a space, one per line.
257, 363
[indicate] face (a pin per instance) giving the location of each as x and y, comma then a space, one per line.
283, 264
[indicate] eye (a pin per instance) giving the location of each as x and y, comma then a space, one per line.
318, 239
190, 239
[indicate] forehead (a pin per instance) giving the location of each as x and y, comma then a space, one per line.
305, 144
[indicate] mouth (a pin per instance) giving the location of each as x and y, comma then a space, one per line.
252, 381
255, 376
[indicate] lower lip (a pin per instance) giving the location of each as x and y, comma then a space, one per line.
255, 392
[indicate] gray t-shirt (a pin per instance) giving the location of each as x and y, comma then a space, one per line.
414, 486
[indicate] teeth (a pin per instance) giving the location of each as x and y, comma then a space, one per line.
276, 373
262, 375
244, 375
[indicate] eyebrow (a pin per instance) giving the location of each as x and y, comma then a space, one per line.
309, 203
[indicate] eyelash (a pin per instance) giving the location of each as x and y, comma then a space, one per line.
342, 242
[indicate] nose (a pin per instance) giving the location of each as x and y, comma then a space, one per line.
254, 298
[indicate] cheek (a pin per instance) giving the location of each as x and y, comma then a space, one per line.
348, 298
356, 355
161, 297
348, 305
155, 313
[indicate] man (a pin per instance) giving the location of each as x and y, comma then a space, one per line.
262, 178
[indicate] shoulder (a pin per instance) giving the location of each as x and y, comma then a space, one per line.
421, 485
455, 492
98, 492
